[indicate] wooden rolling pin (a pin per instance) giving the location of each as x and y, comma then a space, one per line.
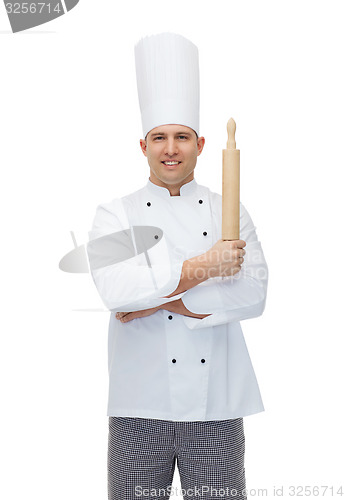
231, 187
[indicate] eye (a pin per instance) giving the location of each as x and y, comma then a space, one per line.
158, 138
183, 137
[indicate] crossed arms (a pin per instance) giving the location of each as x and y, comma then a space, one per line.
224, 284
223, 259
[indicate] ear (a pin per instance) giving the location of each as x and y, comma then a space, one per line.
201, 144
143, 146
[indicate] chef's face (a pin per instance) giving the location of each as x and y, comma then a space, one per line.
172, 152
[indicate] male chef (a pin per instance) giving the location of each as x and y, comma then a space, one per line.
180, 376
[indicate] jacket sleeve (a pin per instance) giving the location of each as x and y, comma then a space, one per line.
232, 298
132, 285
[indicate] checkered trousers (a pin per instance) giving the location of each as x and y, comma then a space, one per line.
142, 454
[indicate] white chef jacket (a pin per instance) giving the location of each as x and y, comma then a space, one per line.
170, 366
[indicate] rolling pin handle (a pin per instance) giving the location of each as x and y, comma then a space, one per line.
231, 126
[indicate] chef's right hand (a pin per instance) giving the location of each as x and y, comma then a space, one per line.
225, 258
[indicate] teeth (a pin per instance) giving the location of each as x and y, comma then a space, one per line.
171, 162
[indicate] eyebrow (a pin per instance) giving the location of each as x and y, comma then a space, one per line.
177, 133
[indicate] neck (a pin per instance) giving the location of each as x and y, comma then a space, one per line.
174, 189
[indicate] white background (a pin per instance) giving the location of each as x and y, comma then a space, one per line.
69, 131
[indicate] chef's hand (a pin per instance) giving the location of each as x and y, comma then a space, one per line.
124, 317
224, 258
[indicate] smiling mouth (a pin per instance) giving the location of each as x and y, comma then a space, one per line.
171, 163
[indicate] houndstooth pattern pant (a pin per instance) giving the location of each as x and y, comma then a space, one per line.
142, 454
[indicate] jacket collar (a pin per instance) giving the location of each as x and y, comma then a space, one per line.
185, 190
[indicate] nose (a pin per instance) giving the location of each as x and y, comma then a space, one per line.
171, 147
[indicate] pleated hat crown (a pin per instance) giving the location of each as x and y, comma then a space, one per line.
167, 69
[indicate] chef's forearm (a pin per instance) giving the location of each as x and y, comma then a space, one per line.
177, 306
194, 271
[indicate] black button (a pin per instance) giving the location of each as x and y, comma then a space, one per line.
200, 201
173, 360
205, 233
156, 236
148, 204
203, 361
170, 317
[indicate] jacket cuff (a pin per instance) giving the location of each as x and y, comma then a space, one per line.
205, 298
